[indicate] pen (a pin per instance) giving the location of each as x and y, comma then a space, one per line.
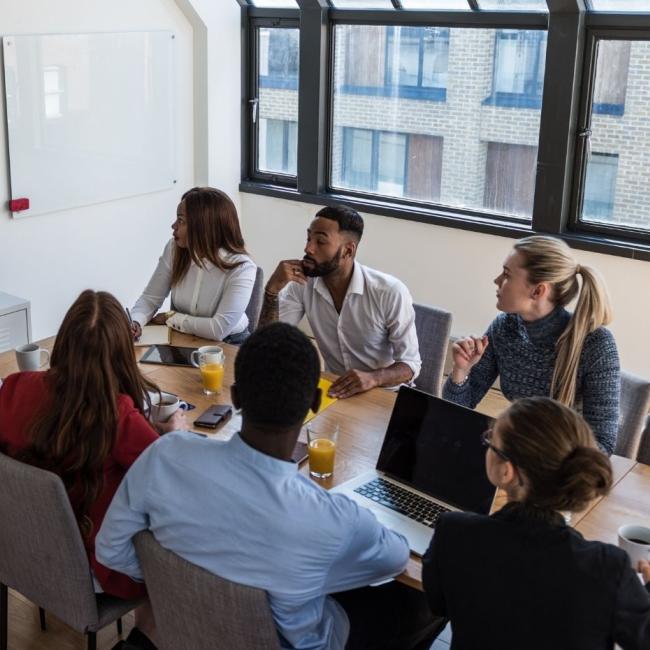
128, 315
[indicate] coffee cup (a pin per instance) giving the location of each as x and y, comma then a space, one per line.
164, 405
635, 540
30, 357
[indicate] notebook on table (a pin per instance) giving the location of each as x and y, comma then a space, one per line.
432, 461
154, 335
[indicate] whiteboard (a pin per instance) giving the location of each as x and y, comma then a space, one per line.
90, 117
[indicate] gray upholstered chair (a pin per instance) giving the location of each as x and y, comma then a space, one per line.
644, 448
197, 610
433, 326
255, 303
42, 555
635, 403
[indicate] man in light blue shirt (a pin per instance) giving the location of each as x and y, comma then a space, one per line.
241, 510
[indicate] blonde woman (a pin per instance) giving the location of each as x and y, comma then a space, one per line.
537, 347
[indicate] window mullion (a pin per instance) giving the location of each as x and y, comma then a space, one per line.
558, 121
312, 99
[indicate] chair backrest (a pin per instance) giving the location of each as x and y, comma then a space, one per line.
41, 552
433, 326
644, 448
255, 303
635, 402
195, 609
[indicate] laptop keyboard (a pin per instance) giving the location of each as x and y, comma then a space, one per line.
406, 503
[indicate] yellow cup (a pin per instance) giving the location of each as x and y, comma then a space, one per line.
322, 439
212, 377
210, 361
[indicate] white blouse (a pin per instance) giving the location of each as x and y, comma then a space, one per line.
209, 302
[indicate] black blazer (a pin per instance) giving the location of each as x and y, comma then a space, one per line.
522, 579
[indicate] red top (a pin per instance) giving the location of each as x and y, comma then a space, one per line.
21, 394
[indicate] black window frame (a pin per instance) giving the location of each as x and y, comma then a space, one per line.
565, 102
251, 77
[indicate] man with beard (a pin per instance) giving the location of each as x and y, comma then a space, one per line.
363, 320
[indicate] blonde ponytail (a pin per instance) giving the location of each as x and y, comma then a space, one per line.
547, 259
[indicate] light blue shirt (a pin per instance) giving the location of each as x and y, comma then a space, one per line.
255, 520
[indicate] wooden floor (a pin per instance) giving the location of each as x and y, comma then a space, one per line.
25, 631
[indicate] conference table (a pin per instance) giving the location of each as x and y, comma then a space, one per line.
362, 421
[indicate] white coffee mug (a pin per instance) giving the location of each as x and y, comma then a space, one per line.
636, 541
29, 357
164, 405
207, 354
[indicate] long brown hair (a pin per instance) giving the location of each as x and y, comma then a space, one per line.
555, 451
93, 361
547, 259
212, 225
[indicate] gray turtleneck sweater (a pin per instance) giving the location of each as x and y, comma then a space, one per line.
523, 356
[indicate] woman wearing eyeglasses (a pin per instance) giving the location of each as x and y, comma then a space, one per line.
522, 578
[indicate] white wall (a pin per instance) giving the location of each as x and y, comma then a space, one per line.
450, 268
49, 259
114, 246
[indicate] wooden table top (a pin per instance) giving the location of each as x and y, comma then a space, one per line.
362, 421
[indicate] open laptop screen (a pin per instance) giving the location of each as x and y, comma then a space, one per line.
435, 447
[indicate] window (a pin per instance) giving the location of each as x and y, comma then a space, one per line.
396, 61
278, 150
416, 60
279, 58
433, 110
616, 149
510, 178
600, 187
275, 107
392, 164
463, 121
611, 83
519, 59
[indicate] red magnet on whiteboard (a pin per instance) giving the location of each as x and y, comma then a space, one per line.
17, 205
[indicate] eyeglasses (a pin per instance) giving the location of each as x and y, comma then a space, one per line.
486, 438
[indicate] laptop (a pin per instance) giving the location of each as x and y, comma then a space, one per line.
432, 461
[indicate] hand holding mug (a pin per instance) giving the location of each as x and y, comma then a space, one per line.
177, 422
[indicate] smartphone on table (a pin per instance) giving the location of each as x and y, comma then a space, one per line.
213, 416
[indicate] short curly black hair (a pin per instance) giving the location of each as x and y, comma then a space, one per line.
276, 375
349, 219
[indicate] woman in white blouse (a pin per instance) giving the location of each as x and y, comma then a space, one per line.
206, 268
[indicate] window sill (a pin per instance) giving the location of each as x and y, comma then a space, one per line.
513, 100
463, 220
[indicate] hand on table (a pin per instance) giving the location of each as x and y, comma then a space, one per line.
177, 422
286, 271
644, 568
351, 383
159, 319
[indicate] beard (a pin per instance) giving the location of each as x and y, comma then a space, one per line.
324, 268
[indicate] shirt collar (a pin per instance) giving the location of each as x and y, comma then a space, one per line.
357, 283
265, 463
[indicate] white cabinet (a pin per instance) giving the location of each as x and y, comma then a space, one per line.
15, 322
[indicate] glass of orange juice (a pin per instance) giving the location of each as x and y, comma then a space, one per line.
210, 361
322, 438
